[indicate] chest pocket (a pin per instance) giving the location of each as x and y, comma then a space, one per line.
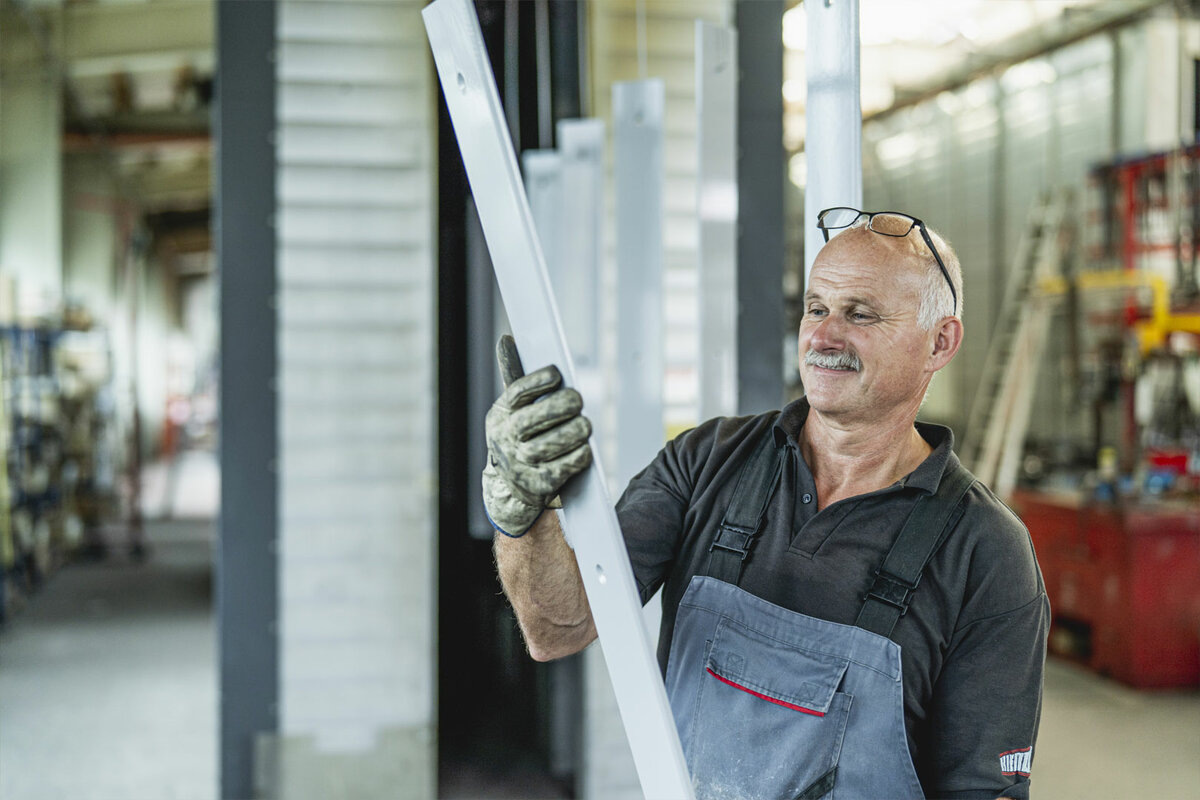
768, 715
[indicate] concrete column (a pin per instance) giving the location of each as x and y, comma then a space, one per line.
30, 164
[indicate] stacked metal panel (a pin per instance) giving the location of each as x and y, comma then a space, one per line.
665, 30
357, 381
668, 34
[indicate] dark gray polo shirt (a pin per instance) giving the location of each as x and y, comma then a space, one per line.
973, 642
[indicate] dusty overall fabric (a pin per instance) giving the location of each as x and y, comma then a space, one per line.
774, 704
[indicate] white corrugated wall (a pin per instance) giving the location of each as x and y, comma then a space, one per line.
357, 367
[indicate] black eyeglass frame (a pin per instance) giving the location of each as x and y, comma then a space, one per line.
870, 215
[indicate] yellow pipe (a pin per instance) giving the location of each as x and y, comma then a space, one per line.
1151, 333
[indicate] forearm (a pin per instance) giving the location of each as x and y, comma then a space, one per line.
541, 578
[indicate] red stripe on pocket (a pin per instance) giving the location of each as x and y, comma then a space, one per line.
747, 690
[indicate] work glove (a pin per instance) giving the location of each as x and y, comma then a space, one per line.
537, 439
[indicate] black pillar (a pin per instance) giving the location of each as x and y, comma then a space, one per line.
761, 171
247, 612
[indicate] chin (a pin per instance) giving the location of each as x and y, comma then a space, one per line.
827, 384
823, 401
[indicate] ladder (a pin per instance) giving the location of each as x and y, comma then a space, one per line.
999, 414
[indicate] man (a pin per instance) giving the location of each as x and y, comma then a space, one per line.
801, 656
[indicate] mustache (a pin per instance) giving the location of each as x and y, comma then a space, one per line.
846, 359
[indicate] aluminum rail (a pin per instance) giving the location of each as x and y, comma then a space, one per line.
590, 522
833, 143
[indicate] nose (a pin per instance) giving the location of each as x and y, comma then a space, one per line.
826, 335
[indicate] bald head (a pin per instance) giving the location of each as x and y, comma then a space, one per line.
860, 243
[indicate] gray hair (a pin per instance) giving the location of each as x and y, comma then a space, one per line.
936, 300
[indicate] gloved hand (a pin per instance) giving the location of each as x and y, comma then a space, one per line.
533, 447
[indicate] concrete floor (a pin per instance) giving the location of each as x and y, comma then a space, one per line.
108, 692
1100, 739
108, 681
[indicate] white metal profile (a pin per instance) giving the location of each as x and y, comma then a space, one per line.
832, 116
593, 531
576, 281
544, 188
638, 139
717, 212
638, 183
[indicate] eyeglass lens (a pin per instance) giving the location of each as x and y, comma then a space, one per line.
891, 224
840, 217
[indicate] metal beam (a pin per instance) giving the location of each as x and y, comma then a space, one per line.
576, 275
717, 210
247, 575
637, 110
591, 524
761, 171
833, 142
78, 142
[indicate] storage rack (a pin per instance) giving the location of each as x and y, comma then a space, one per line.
33, 456
1120, 548
49, 497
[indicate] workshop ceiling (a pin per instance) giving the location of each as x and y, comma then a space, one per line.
915, 49
136, 78
137, 75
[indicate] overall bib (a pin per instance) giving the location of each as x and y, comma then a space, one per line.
777, 705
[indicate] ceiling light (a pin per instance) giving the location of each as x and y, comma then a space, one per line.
798, 170
794, 90
795, 28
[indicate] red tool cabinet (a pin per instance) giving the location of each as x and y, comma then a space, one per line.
1124, 585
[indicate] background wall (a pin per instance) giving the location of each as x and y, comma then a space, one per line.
972, 162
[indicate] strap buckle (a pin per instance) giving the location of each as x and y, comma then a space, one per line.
893, 590
734, 539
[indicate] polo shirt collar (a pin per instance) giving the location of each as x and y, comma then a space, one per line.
925, 477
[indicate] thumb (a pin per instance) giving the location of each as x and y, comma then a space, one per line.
509, 359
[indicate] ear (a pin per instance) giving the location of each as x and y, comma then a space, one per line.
947, 338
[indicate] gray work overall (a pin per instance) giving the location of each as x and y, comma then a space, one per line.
777, 705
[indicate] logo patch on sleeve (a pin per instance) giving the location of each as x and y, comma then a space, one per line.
1016, 762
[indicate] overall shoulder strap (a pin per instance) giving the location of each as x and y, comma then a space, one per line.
926, 528
743, 518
